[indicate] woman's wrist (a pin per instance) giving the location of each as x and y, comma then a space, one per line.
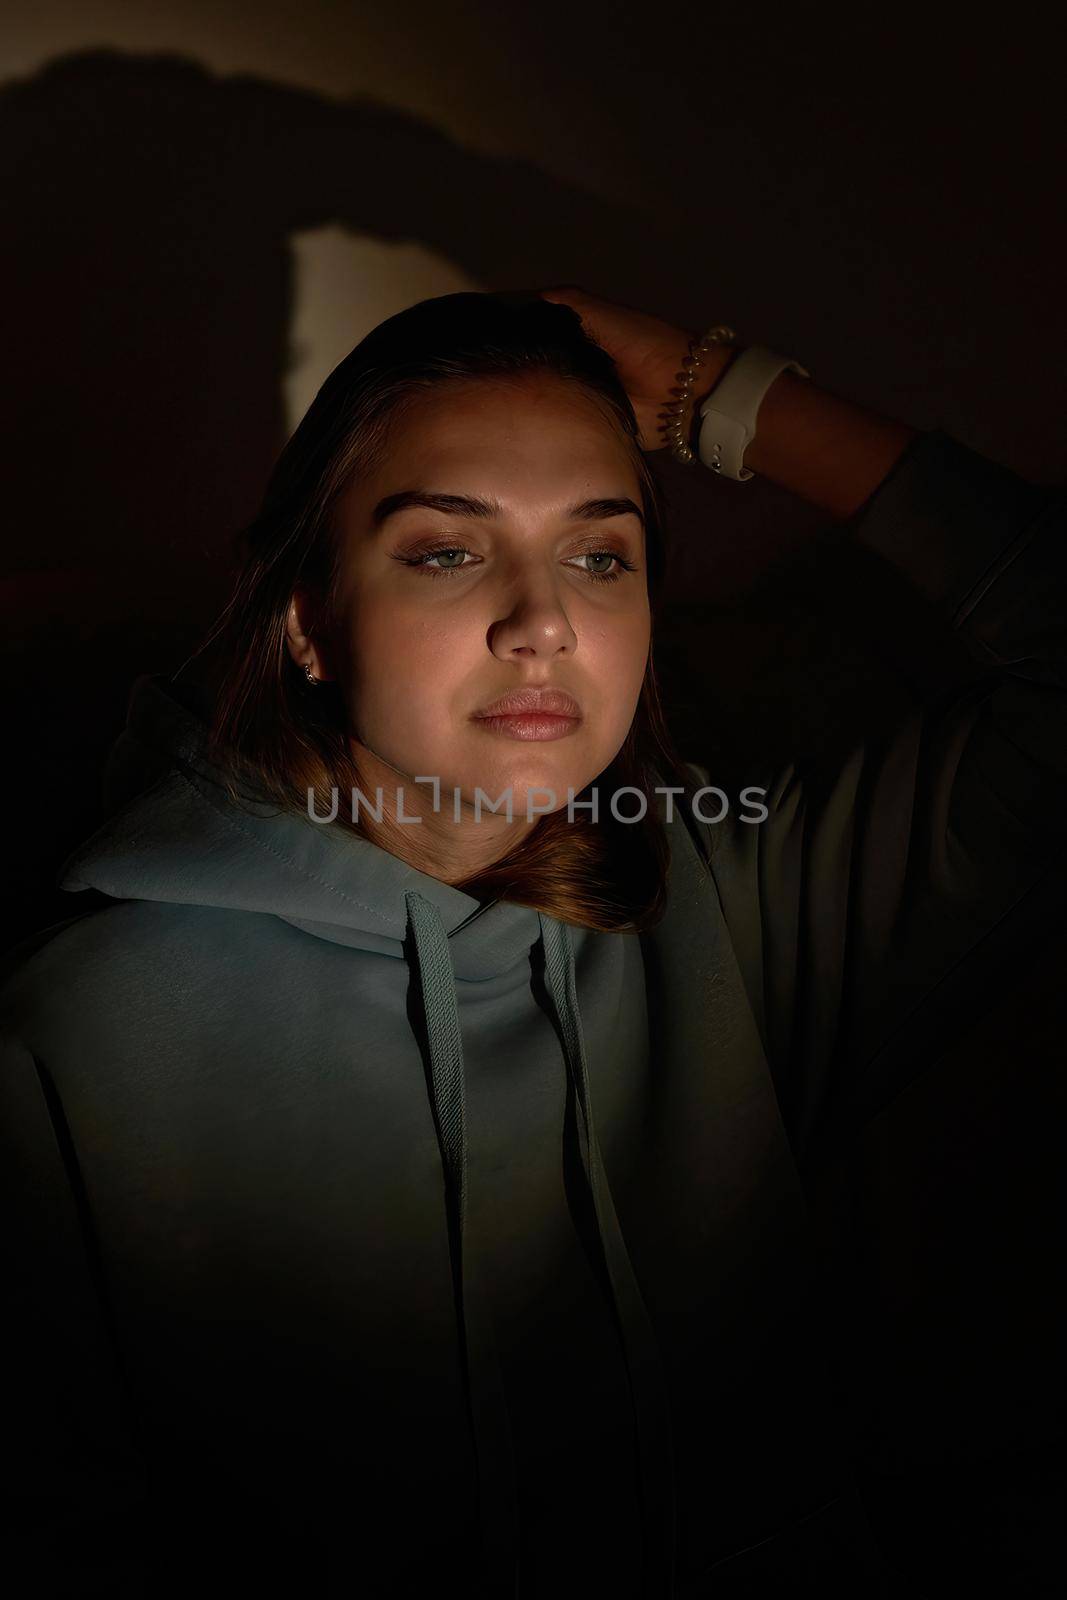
828, 450
717, 362
825, 449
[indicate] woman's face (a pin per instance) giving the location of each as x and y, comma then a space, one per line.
530, 576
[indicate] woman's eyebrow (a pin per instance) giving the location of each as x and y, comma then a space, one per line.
463, 505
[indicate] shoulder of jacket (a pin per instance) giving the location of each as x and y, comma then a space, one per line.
105, 950
42, 946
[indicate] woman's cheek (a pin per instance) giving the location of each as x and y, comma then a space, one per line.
408, 713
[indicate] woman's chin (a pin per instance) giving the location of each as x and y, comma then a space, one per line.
538, 777
534, 786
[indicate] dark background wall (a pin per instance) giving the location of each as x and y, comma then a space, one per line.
206, 205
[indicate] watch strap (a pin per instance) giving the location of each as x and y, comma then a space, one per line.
728, 415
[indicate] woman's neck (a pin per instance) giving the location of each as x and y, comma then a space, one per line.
438, 833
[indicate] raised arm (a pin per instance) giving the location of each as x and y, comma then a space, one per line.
875, 909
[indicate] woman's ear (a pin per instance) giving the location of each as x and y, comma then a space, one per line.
305, 645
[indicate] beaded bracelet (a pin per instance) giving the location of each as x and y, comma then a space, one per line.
674, 424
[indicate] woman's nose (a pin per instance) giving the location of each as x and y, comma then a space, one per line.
534, 623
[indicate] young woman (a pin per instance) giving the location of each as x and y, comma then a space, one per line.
402, 1147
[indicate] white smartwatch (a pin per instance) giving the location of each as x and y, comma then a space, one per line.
728, 415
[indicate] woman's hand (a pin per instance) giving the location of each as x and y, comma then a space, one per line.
646, 350
820, 447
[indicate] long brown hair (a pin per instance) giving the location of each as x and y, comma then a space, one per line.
292, 738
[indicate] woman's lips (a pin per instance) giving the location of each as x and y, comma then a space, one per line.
529, 725
531, 714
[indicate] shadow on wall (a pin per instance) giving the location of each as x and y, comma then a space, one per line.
149, 207
147, 273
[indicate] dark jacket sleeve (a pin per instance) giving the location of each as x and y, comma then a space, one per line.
874, 908
73, 1494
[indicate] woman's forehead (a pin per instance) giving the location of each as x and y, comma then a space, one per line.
504, 447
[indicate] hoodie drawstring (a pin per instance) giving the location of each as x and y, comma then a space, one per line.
483, 1382
497, 1484
643, 1362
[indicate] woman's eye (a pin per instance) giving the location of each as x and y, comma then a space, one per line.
448, 559
604, 561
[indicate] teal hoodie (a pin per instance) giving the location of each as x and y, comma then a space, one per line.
366, 1237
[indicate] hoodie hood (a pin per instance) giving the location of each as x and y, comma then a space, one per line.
178, 837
